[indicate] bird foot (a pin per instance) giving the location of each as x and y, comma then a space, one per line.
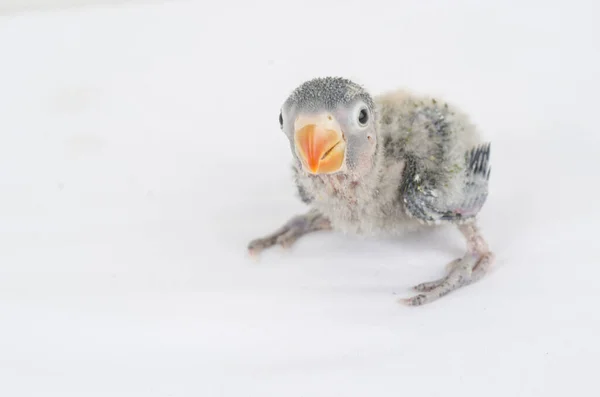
287, 235
463, 271
284, 237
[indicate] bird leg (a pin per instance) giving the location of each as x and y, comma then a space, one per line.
463, 271
286, 235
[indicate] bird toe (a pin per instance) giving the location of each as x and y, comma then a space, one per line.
416, 300
427, 286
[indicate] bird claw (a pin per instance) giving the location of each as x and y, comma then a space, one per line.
285, 239
255, 247
416, 300
463, 271
431, 285
254, 254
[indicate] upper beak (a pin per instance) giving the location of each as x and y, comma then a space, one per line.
320, 143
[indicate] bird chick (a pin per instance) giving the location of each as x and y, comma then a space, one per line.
385, 165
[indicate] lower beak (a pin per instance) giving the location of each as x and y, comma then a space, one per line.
321, 147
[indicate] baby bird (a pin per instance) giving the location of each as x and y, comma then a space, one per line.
385, 165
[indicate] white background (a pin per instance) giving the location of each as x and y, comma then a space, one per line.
140, 152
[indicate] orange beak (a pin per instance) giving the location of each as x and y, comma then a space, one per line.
320, 144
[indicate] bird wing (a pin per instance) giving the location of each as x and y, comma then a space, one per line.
428, 203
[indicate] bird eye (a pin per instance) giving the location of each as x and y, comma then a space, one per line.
280, 119
363, 117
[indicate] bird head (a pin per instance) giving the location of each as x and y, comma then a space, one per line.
330, 123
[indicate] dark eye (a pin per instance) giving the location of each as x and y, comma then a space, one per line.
363, 117
280, 119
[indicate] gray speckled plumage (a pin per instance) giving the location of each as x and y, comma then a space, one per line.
419, 162
419, 171
327, 93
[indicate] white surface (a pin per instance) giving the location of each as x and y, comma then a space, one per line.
141, 152
19, 6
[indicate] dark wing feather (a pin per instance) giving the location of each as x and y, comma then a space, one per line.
424, 200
